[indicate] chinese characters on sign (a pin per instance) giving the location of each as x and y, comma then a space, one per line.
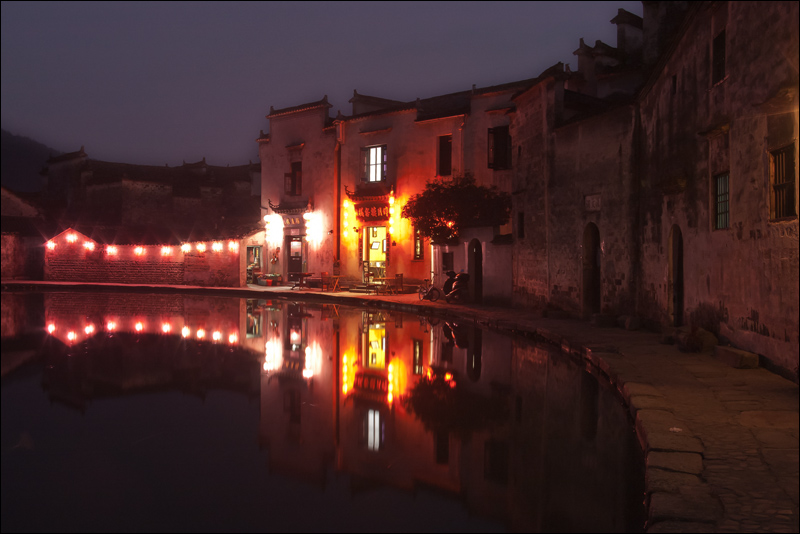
372, 211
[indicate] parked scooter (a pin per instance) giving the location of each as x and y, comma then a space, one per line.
448, 284
460, 289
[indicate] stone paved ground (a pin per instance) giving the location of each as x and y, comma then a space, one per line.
721, 442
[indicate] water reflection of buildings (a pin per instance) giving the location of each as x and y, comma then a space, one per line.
523, 434
335, 389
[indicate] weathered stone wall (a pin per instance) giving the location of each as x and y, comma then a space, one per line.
593, 182
740, 282
13, 256
146, 202
530, 133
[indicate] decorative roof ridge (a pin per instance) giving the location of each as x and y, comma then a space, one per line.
302, 107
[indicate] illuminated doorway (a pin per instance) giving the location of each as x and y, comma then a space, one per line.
375, 247
294, 244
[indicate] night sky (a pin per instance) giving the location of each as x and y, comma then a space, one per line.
155, 83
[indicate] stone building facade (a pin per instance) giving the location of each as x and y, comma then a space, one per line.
674, 199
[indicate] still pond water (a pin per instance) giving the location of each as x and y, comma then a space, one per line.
166, 412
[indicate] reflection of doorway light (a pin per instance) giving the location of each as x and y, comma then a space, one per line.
373, 430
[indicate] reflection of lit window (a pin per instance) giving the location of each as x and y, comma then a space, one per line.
418, 366
374, 430
376, 346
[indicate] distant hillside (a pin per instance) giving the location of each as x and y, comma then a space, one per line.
21, 159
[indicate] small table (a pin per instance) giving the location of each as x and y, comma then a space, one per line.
301, 280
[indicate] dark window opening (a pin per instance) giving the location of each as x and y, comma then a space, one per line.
445, 167
721, 202
782, 178
447, 261
495, 461
294, 180
499, 148
718, 58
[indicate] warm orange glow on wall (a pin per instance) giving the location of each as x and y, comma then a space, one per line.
186, 247
51, 245
274, 229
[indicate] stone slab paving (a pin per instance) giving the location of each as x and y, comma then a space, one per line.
721, 443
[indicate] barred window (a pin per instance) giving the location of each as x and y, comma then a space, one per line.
721, 202
782, 178
293, 181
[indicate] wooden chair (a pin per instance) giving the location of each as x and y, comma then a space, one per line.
398, 283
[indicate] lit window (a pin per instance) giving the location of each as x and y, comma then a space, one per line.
374, 159
293, 181
721, 202
419, 245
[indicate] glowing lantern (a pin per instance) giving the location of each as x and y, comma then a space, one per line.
274, 229
233, 246
51, 328
166, 251
346, 204
186, 247
51, 245
111, 326
201, 247
216, 246
166, 328
185, 331
232, 339
88, 245
139, 326
138, 251
216, 336
89, 329
71, 238
201, 333
71, 336
111, 250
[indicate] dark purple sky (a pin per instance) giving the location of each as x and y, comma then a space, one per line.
163, 82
